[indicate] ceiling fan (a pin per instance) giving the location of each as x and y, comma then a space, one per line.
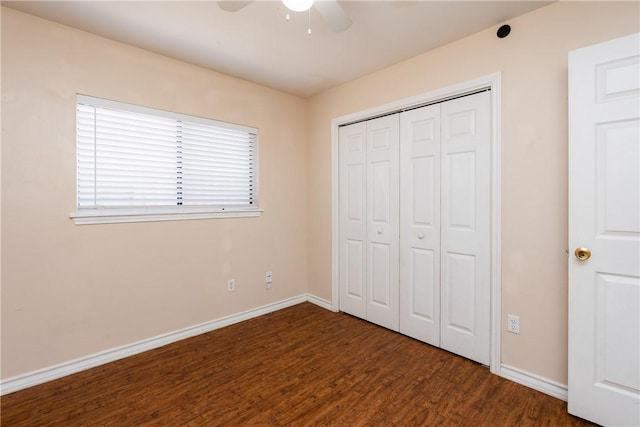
330, 10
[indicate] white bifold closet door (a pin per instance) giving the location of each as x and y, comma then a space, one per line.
369, 210
445, 225
420, 224
414, 240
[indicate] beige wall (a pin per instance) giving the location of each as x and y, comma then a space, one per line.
533, 62
70, 291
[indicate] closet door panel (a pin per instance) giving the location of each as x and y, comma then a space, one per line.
380, 193
421, 295
381, 284
465, 226
353, 219
382, 223
354, 283
461, 189
420, 224
462, 288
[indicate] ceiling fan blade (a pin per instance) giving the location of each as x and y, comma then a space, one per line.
233, 5
333, 14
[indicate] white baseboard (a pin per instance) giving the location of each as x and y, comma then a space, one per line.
320, 302
534, 381
73, 366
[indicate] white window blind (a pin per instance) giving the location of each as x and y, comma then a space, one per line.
132, 157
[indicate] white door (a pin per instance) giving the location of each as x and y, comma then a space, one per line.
604, 219
445, 225
368, 215
353, 219
382, 221
420, 224
465, 262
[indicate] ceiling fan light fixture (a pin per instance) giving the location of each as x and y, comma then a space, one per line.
298, 5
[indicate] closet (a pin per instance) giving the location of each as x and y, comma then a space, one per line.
414, 223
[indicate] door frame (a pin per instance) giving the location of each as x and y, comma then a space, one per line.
490, 81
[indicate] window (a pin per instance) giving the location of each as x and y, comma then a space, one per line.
139, 164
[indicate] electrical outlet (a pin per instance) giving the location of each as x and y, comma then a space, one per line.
513, 324
231, 285
268, 279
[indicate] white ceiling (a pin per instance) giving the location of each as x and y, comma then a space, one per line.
257, 44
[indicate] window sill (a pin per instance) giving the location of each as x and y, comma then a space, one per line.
106, 216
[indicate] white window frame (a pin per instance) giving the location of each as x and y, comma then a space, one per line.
165, 213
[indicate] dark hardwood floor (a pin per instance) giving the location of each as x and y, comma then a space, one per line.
301, 366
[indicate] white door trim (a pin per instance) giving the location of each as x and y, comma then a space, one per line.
492, 81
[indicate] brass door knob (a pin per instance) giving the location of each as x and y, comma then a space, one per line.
582, 254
